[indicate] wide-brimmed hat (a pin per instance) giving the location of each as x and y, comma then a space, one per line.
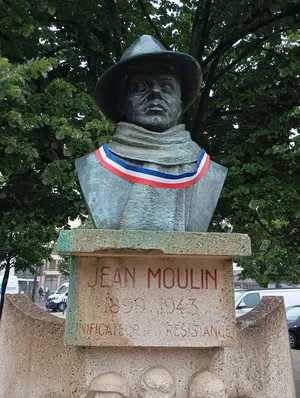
146, 50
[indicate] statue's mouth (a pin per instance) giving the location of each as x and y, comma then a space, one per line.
155, 108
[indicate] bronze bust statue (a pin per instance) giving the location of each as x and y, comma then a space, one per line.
151, 176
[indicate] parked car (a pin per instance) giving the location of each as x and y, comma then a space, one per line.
293, 321
59, 299
246, 300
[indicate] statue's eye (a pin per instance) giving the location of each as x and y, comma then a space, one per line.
139, 87
167, 88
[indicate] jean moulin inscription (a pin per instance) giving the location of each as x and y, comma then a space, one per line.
168, 278
177, 304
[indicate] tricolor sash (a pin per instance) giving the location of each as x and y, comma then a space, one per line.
150, 177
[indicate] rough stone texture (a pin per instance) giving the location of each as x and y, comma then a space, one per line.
34, 363
157, 382
260, 363
206, 385
109, 385
151, 289
150, 301
90, 242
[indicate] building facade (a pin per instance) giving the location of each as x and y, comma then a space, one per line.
51, 278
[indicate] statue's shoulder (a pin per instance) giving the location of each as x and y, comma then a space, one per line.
105, 193
216, 171
205, 196
90, 169
86, 161
212, 181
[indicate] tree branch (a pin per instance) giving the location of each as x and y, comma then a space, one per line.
196, 32
203, 100
276, 54
204, 30
255, 218
229, 112
152, 24
200, 30
241, 56
111, 6
215, 115
221, 48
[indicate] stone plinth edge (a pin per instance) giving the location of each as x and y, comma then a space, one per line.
97, 242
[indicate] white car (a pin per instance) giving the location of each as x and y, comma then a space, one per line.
59, 299
246, 300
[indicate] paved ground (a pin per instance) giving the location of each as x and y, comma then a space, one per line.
59, 314
296, 366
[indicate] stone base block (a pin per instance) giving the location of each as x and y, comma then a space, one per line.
150, 315
151, 289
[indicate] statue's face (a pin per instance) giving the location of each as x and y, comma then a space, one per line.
153, 101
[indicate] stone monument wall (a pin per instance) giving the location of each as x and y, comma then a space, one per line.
35, 362
150, 315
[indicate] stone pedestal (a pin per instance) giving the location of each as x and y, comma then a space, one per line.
151, 289
136, 329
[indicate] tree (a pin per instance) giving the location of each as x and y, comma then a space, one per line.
246, 117
64, 264
22, 246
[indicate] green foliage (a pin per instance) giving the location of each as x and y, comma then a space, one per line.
65, 260
247, 115
25, 245
64, 264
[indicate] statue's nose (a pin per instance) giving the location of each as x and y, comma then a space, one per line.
155, 91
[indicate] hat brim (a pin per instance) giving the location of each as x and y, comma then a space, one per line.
185, 66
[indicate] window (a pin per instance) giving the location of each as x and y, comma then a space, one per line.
237, 295
250, 286
52, 265
51, 283
251, 300
292, 313
62, 289
64, 279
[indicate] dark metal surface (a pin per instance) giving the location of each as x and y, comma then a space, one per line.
115, 203
143, 53
148, 89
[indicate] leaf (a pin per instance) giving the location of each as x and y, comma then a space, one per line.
51, 10
67, 151
35, 153
27, 30
59, 135
13, 92
10, 149
43, 4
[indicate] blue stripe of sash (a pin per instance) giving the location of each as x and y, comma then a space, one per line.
151, 172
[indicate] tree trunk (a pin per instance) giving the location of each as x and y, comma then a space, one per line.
34, 285
4, 284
